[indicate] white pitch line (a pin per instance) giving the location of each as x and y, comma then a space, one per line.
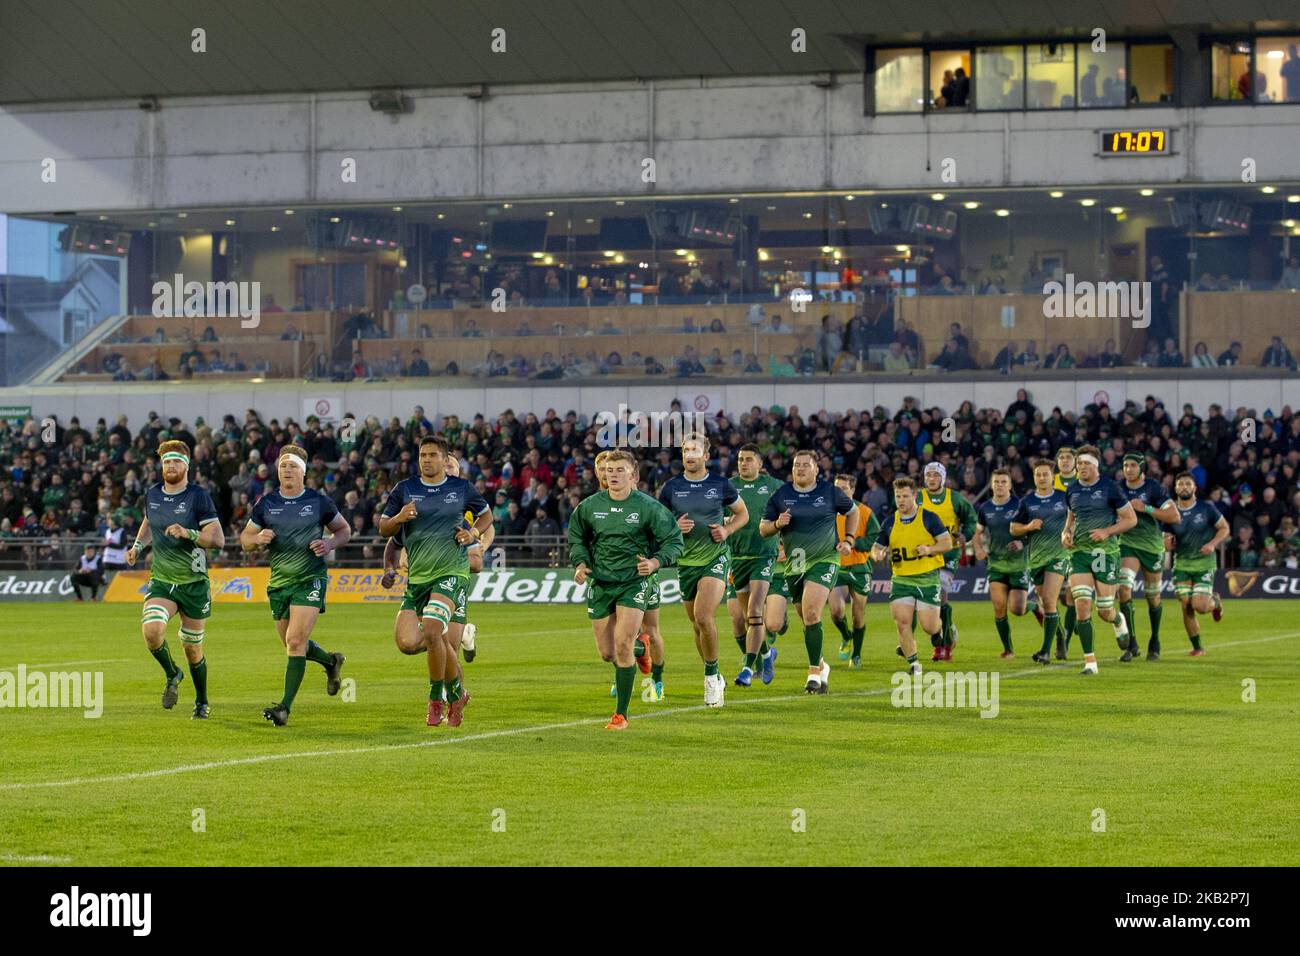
491, 734
15, 858
118, 660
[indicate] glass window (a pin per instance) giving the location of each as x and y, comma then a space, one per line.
949, 79
1230, 70
899, 81
1152, 66
1103, 81
1000, 78
1277, 70
1050, 69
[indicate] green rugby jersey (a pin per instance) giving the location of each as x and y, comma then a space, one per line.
811, 536
705, 501
608, 535
297, 522
747, 542
177, 560
430, 538
1197, 528
1095, 506
997, 519
1045, 544
1147, 534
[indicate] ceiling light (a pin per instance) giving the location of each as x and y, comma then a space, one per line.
1293, 198
1146, 192
849, 197
937, 197
288, 212
397, 209
230, 222
1056, 194
1003, 213
1115, 210
1269, 190
971, 205
1087, 202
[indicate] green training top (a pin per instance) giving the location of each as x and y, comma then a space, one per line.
747, 542
1044, 544
297, 522
608, 536
430, 537
1197, 528
1095, 506
1147, 534
178, 560
997, 519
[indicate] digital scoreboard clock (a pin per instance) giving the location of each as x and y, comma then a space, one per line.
1136, 142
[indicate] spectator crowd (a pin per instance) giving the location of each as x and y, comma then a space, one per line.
89, 482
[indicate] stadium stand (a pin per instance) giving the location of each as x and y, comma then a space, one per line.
58, 496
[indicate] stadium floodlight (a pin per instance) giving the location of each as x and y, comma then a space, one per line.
391, 102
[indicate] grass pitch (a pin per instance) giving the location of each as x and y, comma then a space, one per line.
1184, 770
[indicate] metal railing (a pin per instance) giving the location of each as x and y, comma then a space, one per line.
47, 553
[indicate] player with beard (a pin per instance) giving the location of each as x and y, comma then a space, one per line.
1200, 530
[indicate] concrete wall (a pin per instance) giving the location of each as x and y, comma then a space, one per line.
728, 136
466, 399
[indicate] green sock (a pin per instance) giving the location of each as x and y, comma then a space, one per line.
1004, 632
199, 673
911, 659
1050, 623
294, 668
859, 634
751, 661
710, 668
945, 616
1196, 641
657, 672
435, 690
1071, 619
1085, 634
812, 640
1154, 613
164, 657
318, 654
767, 647
624, 678
454, 689
740, 641
841, 625
1127, 610
785, 625
638, 648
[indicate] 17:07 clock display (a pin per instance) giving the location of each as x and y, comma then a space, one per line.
1135, 142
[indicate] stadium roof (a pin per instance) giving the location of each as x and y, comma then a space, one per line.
56, 50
